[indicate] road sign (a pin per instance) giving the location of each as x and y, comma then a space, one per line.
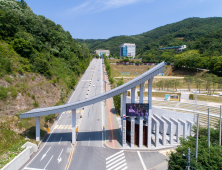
124, 117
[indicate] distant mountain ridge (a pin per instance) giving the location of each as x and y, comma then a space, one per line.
178, 33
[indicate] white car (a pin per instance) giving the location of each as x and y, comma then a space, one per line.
93, 85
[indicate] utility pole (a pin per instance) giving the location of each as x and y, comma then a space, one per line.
220, 128
208, 128
197, 134
188, 159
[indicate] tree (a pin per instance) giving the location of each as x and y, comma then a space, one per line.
188, 79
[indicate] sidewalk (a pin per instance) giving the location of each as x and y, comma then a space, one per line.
112, 134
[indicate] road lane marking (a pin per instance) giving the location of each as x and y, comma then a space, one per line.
43, 156
114, 162
60, 140
115, 158
117, 161
117, 164
48, 162
89, 142
59, 158
144, 167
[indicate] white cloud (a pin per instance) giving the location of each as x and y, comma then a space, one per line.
92, 6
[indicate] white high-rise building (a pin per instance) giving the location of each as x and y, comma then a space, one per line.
128, 50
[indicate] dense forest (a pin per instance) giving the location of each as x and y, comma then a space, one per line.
185, 32
33, 43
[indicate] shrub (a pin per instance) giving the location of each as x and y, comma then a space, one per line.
36, 104
3, 93
33, 97
8, 79
49, 118
14, 94
28, 94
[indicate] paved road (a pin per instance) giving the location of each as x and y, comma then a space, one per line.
90, 152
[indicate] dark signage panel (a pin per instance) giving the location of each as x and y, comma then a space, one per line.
137, 109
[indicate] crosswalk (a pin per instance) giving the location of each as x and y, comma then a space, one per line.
63, 127
167, 151
116, 161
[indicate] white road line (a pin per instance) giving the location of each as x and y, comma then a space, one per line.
114, 162
121, 167
48, 162
114, 155
115, 158
144, 167
89, 142
60, 140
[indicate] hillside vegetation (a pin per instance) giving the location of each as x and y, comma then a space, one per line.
40, 64
185, 32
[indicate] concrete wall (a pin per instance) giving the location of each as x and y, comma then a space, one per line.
19, 160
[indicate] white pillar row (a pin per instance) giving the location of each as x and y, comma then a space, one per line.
163, 130
177, 128
150, 82
124, 121
74, 126
37, 126
133, 94
132, 137
141, 118
132, 119
170, 128
184, 124
157, 125
189, 128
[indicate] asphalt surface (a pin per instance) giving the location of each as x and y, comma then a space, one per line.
90, 152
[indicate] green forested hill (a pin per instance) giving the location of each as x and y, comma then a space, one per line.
184, 32
42, 46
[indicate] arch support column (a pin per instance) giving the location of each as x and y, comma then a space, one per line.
150, 82
74, 126
37, 125
124, 120
141, 118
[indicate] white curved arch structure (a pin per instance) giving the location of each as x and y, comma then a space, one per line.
140, 80
123, 88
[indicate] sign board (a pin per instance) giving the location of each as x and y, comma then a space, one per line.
124, 117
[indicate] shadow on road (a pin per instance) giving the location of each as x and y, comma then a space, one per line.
83, 136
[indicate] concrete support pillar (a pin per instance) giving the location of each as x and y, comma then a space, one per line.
124, 120
170, 128
132, 119
141, 118
141, 92
133, 94
132, 142
150, 81
163, 130
177, 129
189, 128
184, 124
74, 126
157, 125
37, 125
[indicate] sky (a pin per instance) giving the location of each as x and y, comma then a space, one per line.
102, 19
